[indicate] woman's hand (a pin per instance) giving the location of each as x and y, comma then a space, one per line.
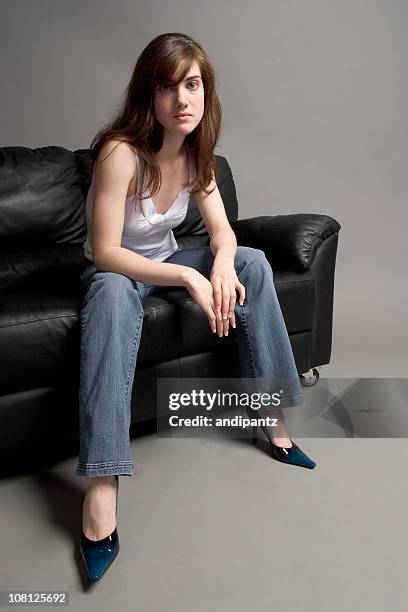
225, 282
217, 297
201, 291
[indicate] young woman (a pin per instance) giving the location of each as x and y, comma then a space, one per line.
146, 163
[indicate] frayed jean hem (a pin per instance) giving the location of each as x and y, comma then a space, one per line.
113, 468
286, 402
294, 400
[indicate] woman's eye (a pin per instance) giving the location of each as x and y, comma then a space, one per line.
194, 85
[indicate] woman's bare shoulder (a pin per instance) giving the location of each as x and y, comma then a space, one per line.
115, 165
118, 149
116, 158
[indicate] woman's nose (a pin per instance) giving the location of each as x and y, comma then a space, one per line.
180, 95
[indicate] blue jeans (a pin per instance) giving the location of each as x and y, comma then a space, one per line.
111, 326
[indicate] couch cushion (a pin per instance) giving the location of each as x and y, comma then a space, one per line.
38, 326
40, 197
35, 264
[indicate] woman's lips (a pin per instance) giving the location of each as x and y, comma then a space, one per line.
182, 117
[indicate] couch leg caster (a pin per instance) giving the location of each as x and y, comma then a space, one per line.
309, 378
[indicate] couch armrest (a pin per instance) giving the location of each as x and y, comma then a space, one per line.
289, 241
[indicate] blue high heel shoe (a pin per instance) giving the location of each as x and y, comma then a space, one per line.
99, 554
293, 455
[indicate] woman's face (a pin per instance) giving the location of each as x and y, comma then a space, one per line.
186, 97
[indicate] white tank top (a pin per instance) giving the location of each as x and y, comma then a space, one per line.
152, 236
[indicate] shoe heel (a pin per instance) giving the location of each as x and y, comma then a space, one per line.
117, 490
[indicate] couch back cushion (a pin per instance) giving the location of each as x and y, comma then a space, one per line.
40, 197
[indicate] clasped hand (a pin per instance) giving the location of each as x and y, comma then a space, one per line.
217, 296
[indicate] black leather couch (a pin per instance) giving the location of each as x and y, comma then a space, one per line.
42, 212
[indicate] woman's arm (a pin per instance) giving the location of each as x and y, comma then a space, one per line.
112, 179
135, 266
222, 239
223, 278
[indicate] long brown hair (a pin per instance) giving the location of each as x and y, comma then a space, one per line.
136, 124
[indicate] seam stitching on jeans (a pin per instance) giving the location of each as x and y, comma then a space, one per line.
105, 464
245, 328
132, 355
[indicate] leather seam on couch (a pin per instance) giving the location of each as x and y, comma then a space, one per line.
71, 316
294, 282
36, 320
158, 309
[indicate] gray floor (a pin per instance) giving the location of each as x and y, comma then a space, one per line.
217, 524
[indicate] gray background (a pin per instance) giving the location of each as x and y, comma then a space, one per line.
314, 98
